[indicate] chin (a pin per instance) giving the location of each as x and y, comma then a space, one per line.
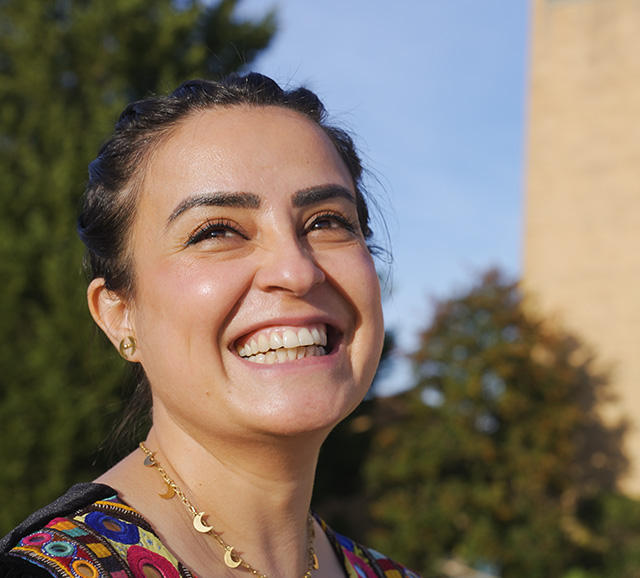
310, 414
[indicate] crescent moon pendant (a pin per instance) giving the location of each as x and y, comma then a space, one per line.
168, 494
199, 525
229, 559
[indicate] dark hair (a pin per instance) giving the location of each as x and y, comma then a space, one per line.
109, 204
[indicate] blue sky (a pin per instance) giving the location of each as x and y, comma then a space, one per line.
435, 92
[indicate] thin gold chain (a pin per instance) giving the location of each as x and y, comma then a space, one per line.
230, 552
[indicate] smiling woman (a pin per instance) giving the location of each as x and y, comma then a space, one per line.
226, 236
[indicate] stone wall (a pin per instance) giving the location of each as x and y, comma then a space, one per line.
582, 236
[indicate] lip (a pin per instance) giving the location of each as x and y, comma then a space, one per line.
335, 329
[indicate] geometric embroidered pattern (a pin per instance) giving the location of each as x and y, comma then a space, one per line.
110, 539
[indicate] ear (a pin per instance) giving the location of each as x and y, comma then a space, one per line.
111, 312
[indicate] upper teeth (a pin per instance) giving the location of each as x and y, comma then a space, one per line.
283, 339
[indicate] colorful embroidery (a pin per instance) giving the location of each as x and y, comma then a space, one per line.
110, 539
361, 562
107, 538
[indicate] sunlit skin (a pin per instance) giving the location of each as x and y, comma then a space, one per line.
279, 254
246, 224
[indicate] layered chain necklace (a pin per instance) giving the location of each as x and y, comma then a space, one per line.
231, 558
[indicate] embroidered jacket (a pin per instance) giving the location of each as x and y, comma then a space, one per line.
91, 533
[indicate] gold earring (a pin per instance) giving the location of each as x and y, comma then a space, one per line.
128, 346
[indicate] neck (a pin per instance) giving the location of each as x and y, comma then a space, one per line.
231, 557
274, 476
256, 495
255, 491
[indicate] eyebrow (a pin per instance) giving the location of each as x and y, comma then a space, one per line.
240, 200
315, 195
303, 198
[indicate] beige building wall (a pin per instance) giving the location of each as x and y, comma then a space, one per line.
582, 239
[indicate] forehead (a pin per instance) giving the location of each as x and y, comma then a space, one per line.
245, 149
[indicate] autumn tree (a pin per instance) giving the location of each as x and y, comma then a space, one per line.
67, 67
495, 454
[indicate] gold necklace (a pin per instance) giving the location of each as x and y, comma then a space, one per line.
231, 558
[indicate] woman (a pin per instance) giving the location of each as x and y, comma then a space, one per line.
226, 237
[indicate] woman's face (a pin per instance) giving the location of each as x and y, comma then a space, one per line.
257, 304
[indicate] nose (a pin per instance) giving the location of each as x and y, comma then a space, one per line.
289, 266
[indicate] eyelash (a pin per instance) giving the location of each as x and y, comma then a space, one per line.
202, 232
224, 225
344, 220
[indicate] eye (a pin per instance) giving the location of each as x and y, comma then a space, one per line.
214, 230
331, 220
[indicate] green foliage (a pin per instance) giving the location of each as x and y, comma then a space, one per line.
67, 67
616, 518
495, 453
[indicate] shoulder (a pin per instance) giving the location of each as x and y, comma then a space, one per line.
77, 497
363, 562
46, 543
90, 534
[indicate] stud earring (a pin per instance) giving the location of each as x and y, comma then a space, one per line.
128, 347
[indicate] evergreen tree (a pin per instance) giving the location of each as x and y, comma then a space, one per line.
67, 67
495, 453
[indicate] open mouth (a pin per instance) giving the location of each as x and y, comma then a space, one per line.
285, 344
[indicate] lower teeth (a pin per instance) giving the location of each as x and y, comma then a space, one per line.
282, 355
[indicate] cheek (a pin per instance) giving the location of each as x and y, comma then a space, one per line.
178, 303
371, 320
361, 281
355, 275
